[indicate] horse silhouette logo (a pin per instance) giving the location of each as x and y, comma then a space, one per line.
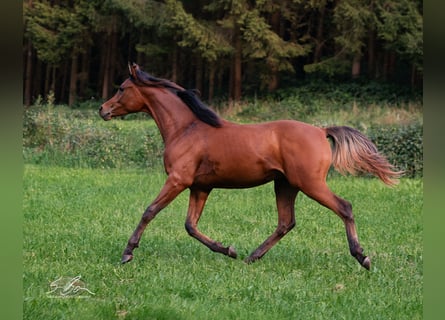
69, 287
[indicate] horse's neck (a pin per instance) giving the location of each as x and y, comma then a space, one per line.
171, 116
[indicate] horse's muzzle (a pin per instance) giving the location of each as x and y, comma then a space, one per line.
106, 115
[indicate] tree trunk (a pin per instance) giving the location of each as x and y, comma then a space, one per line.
231, 79
392, 64
356, 66
319, 37
372, 55
84, 73
53, 84
37, 79
198, 73
106, 70
273, 79
46, 88
61, 84
211, 81
174, 76
113, 59
275, 22
413, 76
139, 53
73, 80
237, 75
28, 75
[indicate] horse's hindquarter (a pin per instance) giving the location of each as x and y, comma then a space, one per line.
237, 156
305, 151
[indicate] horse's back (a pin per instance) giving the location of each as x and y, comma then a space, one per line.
247, 155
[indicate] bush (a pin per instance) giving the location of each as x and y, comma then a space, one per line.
64, 137
403, 146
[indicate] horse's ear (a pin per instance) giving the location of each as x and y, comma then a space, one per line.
129, 68
133, 67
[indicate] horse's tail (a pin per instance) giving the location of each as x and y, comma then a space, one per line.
353, 152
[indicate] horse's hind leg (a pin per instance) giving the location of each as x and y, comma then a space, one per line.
285, 197
196, 205
323, 195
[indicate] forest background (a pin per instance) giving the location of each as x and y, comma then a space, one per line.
77, 50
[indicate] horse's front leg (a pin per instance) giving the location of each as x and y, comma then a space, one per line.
196, 205
172, 188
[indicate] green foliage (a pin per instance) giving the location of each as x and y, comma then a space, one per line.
56, 31
139, 13
330, 67
78, 221
361, 92
400, 25
263, 43
352, 20
330, 103
196, 42
79, 138
200, 36
403, 146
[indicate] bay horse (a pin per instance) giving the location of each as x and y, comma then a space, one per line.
204, 151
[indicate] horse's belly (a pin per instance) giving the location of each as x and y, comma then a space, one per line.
232, 183
238, 175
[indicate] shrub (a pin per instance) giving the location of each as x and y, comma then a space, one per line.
63, 137
402, 145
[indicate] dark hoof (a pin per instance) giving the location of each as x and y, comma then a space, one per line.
249, 260
231, 252
366, 263
126, 258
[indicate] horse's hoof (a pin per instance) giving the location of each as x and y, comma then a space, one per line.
249, 260
366, 263
126, 258
231, 252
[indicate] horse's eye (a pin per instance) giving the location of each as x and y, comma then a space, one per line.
121, 89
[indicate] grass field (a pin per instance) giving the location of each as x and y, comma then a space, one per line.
77, 222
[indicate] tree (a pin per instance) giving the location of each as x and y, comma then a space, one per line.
400, 25
201, 36
56, 32
353, 19
255, 41
80, 48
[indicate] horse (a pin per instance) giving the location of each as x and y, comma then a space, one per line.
204, 151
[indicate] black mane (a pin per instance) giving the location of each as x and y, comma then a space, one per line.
149, 80
203, 112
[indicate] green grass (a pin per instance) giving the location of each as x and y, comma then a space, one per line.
77, 222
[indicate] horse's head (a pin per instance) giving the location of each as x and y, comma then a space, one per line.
126, 100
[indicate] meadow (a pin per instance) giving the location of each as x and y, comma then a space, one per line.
77, 222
